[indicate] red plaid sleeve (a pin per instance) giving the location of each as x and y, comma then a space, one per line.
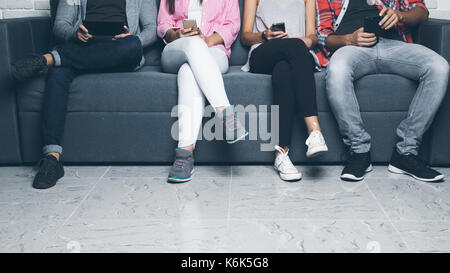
325, 20
405, 5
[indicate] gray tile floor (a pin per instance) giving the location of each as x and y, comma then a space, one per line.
225, 209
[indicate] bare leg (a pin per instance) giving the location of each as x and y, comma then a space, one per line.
309, 124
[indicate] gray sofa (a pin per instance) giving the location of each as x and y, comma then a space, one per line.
125, 117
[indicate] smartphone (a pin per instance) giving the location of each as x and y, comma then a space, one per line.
371, 25
278, 27
188, 23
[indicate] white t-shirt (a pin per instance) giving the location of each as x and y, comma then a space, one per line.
195, 11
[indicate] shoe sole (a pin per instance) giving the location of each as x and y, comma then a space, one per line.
238, 139
396, 170
174, 179
289, 177
352, 178
316, 151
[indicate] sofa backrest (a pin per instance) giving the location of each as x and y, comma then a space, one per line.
153, 53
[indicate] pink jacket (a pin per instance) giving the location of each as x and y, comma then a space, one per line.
220, 16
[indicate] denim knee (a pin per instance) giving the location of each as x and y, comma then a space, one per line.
131, 49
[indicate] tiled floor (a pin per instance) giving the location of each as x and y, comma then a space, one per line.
225, 209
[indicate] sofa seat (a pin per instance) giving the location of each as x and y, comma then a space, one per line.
150, 90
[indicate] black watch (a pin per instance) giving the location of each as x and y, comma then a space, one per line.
263, 36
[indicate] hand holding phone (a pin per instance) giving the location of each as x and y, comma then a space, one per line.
361, 38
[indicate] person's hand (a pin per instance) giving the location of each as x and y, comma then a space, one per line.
361, 38
390, 18
83, 34
123, 35
277, 34
186, 32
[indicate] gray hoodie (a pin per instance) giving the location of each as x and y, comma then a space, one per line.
141, 16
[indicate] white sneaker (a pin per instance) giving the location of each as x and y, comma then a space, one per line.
284, 166
316, 143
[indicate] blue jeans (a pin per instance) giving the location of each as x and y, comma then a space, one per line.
71, 60
412, 61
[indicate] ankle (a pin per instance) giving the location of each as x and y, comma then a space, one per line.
285, 150
189, 148
55, 155
49, 60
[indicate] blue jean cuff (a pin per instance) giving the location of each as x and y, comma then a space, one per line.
56, 57
52, 149
406, 150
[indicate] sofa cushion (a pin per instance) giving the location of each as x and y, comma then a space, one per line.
150, 90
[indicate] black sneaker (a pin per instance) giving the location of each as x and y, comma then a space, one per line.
357, 167
50, 171
28, 67
412, 165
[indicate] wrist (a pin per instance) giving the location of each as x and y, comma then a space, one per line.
400, 16
263, 36
348, 40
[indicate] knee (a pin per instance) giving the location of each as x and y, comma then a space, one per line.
193, 45
131, 47
185, 70
338, 70
440, 67
296, 46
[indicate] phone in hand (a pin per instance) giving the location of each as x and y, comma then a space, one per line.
278, 27
189, 23
371, 25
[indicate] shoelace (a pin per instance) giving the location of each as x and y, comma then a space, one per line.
285, 161
231, 123
314, 138
180, 163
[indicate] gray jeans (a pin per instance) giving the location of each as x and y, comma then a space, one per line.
411, 61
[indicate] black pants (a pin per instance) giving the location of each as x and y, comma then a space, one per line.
292, 68
78, 58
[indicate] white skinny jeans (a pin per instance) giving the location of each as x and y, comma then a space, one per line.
199, 71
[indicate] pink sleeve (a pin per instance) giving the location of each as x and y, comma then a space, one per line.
165, 19
229, 29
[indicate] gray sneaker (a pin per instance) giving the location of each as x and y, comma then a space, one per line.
183, 167
232, 128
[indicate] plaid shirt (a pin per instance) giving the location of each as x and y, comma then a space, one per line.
328, 12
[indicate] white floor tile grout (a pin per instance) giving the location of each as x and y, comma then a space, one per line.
79, 205
387, 216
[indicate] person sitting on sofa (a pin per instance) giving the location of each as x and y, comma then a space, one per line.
287, 56
356, 53
81, 53
199, 54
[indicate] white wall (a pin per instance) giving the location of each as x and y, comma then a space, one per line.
27, 8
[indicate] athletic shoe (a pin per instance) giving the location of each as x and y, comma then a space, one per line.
316, 143
232, 128
284, 166
357, 167
183, 167
50, 171
413, 166
29, 67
